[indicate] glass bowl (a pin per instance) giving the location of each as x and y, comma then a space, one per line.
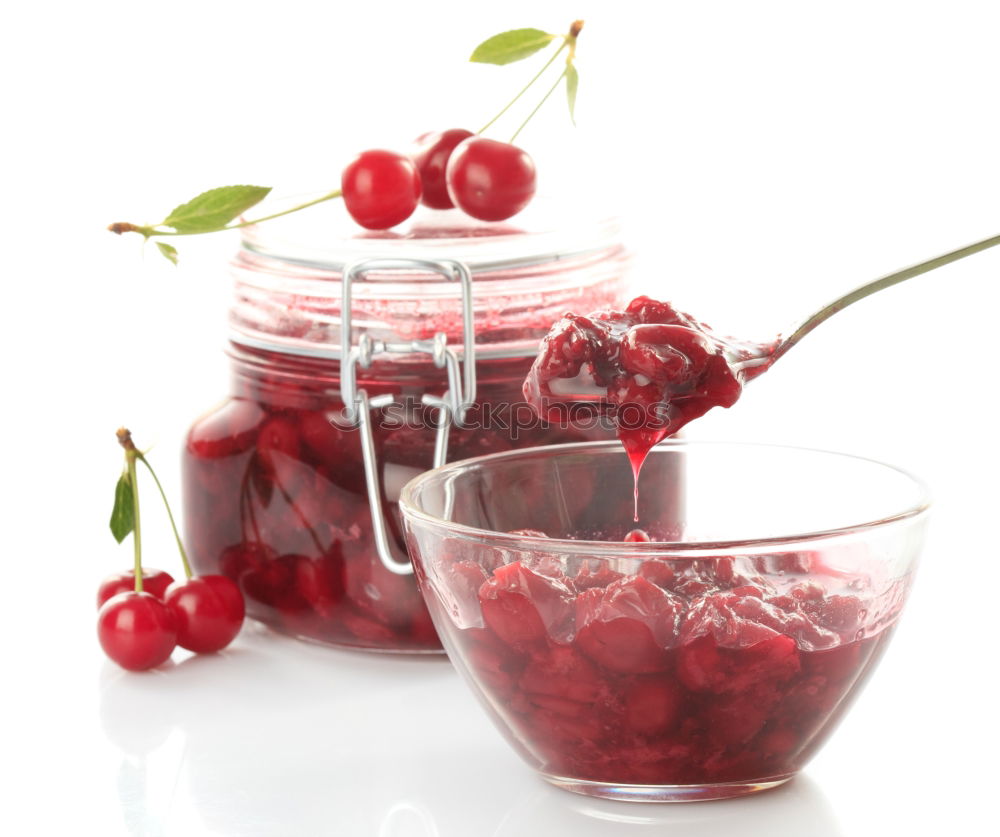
712, 661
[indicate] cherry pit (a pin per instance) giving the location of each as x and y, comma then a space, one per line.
143, 613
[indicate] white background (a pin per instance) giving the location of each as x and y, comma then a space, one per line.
768, 156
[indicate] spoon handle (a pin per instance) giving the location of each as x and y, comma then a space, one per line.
877, 285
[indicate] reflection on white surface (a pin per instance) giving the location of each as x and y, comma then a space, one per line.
406, 819
275, 737
133, 714
279, 737
792, 810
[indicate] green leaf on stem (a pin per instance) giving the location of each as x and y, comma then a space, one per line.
123, 514
508, 47
169, 252
572, 81
215, 208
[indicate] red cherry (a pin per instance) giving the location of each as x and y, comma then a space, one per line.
521, 606
321, 438
431, 159
490, 180
638, 536
665, 353
653, 704
136, 630
154, 582
242, 558
381, 188
209, 610
281, 436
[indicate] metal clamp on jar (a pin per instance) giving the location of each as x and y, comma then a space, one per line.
452, 404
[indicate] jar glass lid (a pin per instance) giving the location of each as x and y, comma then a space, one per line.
325, 237
527, 272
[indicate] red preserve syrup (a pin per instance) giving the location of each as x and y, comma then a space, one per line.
684, 672
275, 494
654, 368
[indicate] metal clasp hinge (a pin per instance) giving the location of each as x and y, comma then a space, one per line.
452, 405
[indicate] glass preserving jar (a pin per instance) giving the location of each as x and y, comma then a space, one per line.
359, 361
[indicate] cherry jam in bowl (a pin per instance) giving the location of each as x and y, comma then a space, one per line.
705, 650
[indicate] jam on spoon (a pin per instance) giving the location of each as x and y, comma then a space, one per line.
652, 368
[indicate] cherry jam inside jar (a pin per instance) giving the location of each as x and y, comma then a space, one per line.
276, 494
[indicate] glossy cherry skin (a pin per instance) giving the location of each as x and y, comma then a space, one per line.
136, 630
490, 180
279, 435
155, 582
637, 536
664, 353
431, 158
209, 610
380, 188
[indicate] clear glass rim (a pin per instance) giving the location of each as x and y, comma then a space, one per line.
652, 549
550, 230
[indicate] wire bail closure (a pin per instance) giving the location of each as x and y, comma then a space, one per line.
452, 405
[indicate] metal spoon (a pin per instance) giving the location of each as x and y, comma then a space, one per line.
754, 358
876, 285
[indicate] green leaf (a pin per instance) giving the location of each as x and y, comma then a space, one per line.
215, 208
169, 252
511, 46
123, 514
572, 81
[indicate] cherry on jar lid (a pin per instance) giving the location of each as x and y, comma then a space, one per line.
526, 273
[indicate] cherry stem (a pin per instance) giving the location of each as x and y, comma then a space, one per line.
568, 41
125, 440
246, 507
879, 284
299, 514
149, 232
170, 514
137, 531
551, 90
528, 86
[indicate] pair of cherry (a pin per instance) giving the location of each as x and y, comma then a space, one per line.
485, 178
143, 613
139, 630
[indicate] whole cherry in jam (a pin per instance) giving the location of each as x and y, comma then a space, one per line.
279, 435
651, 367
490, 180
703, 671
208, 610
381, 188
664, 353
136, 630
637, 536
431, 158
154, 581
